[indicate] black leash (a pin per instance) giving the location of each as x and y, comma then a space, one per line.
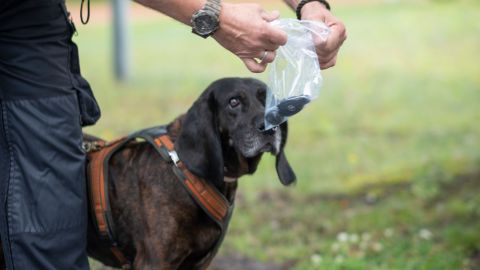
85, 21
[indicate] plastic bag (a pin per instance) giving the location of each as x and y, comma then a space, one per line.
294, 76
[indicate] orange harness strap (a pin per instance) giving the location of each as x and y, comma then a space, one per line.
207, 196
97, 171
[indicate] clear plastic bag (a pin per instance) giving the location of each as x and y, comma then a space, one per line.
294, 76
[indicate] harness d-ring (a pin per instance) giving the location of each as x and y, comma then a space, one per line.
85, 21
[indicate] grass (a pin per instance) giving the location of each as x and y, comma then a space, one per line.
387, 158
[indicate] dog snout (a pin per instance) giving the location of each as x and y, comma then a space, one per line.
260, 124
261, 128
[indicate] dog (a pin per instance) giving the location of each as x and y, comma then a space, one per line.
157, 223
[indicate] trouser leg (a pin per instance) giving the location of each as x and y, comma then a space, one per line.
44, 218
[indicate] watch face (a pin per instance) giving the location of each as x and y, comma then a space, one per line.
205, 23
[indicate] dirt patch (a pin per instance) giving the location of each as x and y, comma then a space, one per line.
475, 261
243, 263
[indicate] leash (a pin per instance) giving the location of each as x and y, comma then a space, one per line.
206, 196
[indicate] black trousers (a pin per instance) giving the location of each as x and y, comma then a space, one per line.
44, 101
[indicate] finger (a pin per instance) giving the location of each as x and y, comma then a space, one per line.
326, 57
336, 38
275, 35
270, 57
319, 41
269, 46
270, 16
332, 62
254, 66
266, 57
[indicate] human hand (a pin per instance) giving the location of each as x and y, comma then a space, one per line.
326, 50
245, 31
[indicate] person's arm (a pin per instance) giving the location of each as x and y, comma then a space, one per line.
316, 11
244, 29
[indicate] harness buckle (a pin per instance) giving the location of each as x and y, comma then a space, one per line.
174, 157
169, 156
91, 146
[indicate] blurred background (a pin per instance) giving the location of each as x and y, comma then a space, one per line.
387, 159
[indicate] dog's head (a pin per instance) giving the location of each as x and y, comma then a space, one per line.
222, 133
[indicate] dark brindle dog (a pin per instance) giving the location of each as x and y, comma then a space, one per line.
158, 225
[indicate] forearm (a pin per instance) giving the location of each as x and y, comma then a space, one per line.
292, 3
180, 10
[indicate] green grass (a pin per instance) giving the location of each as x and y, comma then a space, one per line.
390, 152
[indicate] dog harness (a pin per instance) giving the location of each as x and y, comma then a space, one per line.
213, 203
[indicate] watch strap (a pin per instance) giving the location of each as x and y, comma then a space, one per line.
213, 6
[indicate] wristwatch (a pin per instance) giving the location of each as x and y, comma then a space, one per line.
206, 21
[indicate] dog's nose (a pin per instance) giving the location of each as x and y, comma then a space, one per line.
261, 128
260, 123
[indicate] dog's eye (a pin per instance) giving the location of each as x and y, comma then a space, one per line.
234, 102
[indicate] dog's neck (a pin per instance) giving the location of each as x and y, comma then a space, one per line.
175, 127
230, 190
229, 186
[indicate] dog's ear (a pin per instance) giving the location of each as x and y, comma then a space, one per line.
286, 175
198, 144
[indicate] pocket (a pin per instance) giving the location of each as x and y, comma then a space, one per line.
89, 109
46, 190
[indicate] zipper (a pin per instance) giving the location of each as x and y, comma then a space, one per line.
8, 255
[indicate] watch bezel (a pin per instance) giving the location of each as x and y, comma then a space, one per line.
198, 29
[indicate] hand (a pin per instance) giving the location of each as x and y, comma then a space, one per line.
326, 50
246, 32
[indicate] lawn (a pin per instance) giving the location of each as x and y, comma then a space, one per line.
387, 159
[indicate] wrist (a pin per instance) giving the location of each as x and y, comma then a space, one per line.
311, 8
304, 7
206, 20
